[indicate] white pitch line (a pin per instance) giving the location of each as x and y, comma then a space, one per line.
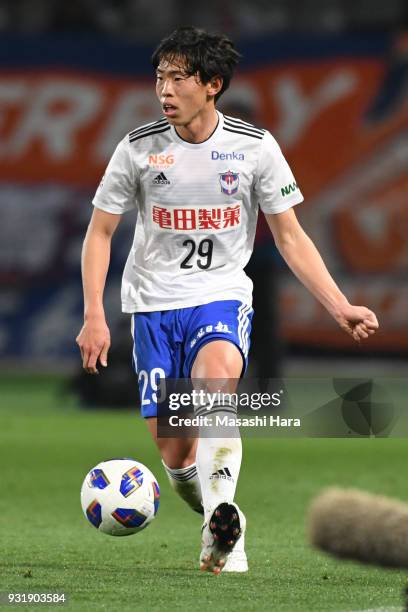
391, 609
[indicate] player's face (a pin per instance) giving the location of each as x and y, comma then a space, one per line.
182, 96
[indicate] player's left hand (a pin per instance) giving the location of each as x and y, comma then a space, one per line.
358, 321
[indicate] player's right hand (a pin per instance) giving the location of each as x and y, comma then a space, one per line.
94, 342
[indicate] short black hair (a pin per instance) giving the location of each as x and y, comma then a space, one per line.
208, 55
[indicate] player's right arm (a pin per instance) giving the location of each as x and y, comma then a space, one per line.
94, 338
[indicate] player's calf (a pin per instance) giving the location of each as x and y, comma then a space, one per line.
185, 482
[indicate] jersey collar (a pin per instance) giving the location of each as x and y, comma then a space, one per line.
201, 145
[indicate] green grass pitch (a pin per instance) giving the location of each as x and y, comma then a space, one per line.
46, 447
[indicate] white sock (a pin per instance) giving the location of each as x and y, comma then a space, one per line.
218, 462
186, 483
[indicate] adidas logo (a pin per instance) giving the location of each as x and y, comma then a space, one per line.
161, 179
224, 474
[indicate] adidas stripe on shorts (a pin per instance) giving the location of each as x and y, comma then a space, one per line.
166, 343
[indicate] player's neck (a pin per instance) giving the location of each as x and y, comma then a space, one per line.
200, 128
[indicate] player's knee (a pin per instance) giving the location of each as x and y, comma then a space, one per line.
218, 360
219, 370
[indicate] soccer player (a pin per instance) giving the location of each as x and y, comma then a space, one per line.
197, 179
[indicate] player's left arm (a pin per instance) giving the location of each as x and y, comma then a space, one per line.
305, 261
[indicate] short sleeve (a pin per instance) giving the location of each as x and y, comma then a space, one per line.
275, 184
117, 190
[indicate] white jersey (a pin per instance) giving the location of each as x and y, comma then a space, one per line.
197, 208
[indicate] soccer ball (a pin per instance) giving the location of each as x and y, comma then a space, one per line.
120, 497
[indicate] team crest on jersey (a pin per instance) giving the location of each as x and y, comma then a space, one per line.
229, 182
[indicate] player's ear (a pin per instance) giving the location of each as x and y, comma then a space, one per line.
214, 86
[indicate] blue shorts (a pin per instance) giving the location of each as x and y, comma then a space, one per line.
166, 343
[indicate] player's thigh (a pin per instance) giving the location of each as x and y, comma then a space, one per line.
218, 340
176, 452
218, 359
153, 360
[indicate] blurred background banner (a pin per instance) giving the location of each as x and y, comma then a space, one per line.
337, 104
